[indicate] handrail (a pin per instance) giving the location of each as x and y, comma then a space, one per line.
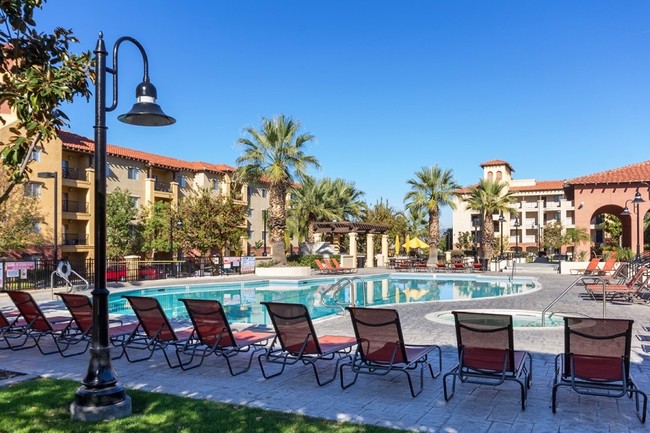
340, 284
63, 271
597, 279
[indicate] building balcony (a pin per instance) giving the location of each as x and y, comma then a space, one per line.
75, 206
75, 239
73, 173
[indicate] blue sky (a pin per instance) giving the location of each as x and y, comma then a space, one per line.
559, 89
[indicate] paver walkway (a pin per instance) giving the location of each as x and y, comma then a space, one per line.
387, 401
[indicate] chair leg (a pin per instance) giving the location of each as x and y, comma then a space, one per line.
453, 373
268, 376
356, 375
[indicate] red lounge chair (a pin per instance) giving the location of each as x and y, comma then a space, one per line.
596, 361
322, 268
12, 327
458, 267
630, 290
486, 353
81, 310
37, 326
477, 267
590, 270
335, 264
156, 333
296, 341
381, 348
216, 337
441, 267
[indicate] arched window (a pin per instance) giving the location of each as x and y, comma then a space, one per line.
499, 175
490, 175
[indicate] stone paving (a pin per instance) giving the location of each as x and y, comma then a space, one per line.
387, 401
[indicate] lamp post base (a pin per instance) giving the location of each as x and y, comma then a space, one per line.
93, 413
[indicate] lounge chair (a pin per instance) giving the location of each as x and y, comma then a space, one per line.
338, 267
216, 337
11, 327
458, 267
441, 267
322, 268
296, 341
596, 361
156, 333
597, 287
477, 267
486, 353
381, 348
591, 268
81, 310
37, 326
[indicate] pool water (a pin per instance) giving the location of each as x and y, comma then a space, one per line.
520, 318
241, 301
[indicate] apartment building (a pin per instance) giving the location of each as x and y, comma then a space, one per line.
148, 178
541, 202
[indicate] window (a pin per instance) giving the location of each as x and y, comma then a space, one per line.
215, 185
264, 192
133, 173
135, 201
33, 189
182, 183
36, 155
108, 170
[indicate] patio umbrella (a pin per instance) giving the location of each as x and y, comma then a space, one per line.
407, 245
416, 242
397, 245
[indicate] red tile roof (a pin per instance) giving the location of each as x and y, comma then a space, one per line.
638, 172
79, 143
543, 185
497, 162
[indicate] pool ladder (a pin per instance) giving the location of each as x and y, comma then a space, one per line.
341, 284
581, 279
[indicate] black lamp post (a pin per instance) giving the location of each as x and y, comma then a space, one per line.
100, 397
636, 200
501, 221
265, 217
178, 225
475, 224
517, 237
54, 175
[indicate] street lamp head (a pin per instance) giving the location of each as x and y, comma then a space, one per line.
637, 198
516, 222
626, 211
145, 111
47, 174
501, 217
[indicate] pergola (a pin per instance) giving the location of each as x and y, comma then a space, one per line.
353, 229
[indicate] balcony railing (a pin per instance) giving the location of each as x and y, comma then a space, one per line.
75, 239
73, 173
75, 206
163, 187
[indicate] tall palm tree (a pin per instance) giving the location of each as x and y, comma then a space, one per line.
490, 197
276, 153
431, 189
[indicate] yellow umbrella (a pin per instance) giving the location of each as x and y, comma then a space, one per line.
407, 245
416, 242
397, 245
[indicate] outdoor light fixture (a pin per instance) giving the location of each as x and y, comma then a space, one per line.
516, 236
626, 211
100, 397
54, 175
501, 220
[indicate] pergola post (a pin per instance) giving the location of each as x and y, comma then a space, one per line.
370, 250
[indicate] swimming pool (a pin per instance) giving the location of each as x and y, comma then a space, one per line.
520, 318
241, 300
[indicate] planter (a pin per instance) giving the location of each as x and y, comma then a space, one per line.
284, 271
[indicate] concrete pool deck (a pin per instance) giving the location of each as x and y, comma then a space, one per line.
387, 401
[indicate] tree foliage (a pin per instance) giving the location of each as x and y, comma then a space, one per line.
431, 189
156, 221
490, 197
120, 215
19, 216
210, 223
276, 154
613, 229
38, 75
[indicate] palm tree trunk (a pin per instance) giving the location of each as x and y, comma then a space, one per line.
434, 237
277, 222
488, 236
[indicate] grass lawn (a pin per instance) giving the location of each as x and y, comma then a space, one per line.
43, 406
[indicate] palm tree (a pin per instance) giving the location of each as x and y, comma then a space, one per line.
490, 197
276, 153
432, 188
325, 199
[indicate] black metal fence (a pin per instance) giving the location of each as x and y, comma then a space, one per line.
41, 274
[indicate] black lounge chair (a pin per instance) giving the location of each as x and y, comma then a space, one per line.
216, 337
486, 354
296, 341
596, 360
381, 348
